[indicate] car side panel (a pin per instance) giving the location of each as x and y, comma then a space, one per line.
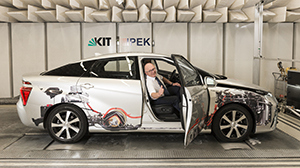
112, 99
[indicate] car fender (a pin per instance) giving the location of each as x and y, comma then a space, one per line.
49, 109
256, 104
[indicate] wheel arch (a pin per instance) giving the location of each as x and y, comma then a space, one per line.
58, 105
244, 106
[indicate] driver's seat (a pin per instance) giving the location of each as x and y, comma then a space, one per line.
165, 112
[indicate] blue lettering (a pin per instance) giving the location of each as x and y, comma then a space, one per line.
132, 40
139, 42
146, 41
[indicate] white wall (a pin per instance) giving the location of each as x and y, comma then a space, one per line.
202, 43
135, 37
277, 43
5, 65
63, 43
28, 51
170, 38
278, 40
239, 41
206, 46
297, 44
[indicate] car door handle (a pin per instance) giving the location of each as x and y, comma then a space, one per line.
87, 86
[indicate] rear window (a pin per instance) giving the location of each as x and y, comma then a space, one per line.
75, 69
117, 68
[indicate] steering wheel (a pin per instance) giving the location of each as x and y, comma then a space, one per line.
172, 75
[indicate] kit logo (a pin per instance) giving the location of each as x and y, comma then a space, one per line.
101, 41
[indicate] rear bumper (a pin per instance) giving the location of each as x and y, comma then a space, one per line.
23, 115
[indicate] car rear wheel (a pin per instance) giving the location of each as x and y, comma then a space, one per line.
232, 123
66, 124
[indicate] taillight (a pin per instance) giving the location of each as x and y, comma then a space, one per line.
25, 92
26, 83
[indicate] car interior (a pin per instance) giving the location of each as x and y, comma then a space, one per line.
164, 112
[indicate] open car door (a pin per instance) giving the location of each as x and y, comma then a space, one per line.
195, 99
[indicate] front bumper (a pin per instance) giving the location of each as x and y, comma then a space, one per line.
267, 120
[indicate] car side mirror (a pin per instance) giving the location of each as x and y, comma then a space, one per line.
210, 81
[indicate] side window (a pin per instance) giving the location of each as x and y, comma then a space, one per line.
189, 74
118, 68
74, 69
119, 65
164, 66
111, 66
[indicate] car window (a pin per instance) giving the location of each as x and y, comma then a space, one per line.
164, 66
118, 65
189, 73
74, 69
118, 68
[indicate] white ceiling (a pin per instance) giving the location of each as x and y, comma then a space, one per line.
220, 11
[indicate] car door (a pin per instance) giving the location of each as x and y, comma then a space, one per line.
113, 92
195, 99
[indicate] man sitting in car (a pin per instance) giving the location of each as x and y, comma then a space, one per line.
157, 89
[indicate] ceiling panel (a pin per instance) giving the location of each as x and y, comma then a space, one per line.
220, 11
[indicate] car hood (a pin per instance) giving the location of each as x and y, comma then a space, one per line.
232, 83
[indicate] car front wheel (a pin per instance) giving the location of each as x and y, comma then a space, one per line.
66, 124
232, 123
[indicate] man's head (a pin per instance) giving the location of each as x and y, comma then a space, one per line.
150, 70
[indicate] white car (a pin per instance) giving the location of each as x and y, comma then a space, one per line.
108, 94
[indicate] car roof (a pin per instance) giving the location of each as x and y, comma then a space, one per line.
114, 55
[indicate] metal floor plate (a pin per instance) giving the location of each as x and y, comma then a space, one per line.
35, 144
152, 146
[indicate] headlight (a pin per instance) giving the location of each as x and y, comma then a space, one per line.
270, 94
272, 97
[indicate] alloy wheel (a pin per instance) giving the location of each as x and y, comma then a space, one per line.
233, 124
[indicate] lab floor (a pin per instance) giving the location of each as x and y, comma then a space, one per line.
21, 146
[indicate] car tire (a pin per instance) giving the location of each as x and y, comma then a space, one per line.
67, 124
233, 123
